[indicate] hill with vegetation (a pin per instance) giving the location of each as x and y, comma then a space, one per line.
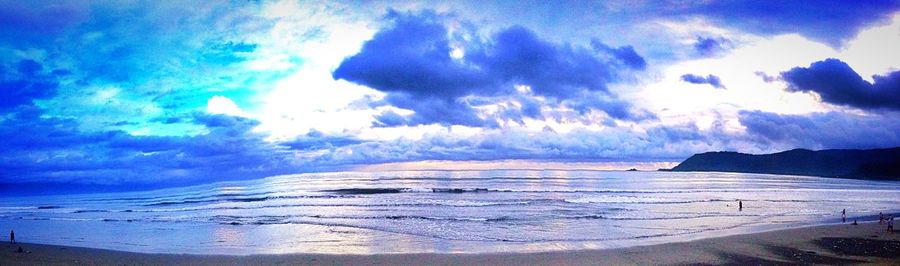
875, 164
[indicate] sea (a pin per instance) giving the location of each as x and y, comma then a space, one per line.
443, 211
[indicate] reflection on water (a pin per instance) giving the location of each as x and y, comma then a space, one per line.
441, 211
229, 236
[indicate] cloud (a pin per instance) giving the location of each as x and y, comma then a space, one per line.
435, 110
315, 140
625, 54
222, 105
832, 130
518, 55
412, 56
411, 60
831, 22
390, 118
223, 121
659, 143
709, 79
838, 84
710, 46
24, 83
23, 19
765, 77
54, 150
157, 57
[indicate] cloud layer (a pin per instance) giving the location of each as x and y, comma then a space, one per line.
154, 94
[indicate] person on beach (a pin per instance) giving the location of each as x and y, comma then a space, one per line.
891, 225
12, 237
880, 218
740, 205
844, 216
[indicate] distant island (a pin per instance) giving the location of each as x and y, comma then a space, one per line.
875, 164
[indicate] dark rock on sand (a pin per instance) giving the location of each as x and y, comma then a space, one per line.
861, 247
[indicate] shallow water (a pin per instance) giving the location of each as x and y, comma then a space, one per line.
442, 211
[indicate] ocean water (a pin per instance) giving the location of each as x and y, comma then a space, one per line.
442, 211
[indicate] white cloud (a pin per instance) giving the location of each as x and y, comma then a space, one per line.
875, 50
310, 40
222, 105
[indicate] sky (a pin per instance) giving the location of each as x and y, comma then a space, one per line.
143, 94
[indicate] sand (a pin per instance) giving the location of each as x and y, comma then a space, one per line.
866, 243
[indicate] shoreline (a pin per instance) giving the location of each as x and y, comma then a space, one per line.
824, 244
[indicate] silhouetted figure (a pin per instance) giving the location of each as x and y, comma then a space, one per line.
740, 205
12, 237
880, 218
891, 225
844, 216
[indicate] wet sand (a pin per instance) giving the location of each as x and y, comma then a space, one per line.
867, 243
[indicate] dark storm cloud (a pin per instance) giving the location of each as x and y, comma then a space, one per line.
411, 57
411, 61
517, 55
829, 21
709, 79
837, 83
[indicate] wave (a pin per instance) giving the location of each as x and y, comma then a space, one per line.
363, 205
244, 199
685, 217
642, 201
503, 190
509, 218
480, 237
459, 190
370, 191
287, 219
352, 192
88, 211
367, 191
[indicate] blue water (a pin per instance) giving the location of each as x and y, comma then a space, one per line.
442, 211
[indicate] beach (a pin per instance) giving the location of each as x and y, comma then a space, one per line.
498, 217
496, 211
866, 243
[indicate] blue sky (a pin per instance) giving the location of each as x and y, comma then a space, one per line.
162, 93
